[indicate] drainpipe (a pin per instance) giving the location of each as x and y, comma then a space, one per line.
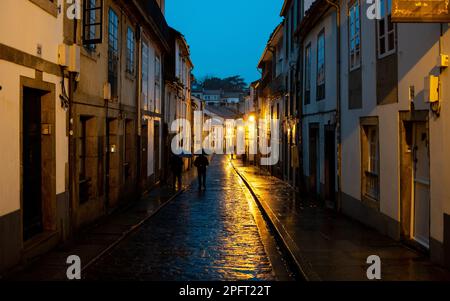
338, 101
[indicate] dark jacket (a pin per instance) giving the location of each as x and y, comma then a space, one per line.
201, 163
176, 164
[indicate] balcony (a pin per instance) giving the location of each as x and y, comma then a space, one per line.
277, 85
272, 87
267, 78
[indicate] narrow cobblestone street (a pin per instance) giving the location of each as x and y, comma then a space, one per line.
210, 235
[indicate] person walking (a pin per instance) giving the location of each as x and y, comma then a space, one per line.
201, 163
176, 166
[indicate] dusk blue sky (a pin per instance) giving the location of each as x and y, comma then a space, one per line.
227, 37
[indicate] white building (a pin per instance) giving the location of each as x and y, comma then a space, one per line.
273, 86
318, 40
292, 12
212, 97
33, 133
394, 142
179, 103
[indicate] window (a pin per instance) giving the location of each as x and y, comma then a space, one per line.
385, 30
92, 23
130, 51
113, 51
145, 58
320, 93
90, 30
288, 27
370, 162
354, 35
157, 84
292, 27
308, 62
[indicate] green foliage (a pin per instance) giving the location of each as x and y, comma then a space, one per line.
229, 84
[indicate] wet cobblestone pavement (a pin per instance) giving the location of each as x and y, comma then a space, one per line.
210, 235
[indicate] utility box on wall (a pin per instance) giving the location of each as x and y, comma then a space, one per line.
69, 57
432, 89
75, 59
63, 55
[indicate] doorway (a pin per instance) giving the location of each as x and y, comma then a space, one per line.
144, 155
112, 163
314, 159
157, 143
421, 184
330, 167
32, 164
415, 179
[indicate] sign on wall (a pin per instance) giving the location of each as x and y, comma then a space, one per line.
423, 11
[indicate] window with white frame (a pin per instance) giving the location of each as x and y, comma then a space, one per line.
354, 24
145, 75
130, 51
320, 92
113, 51
385, 30
308, 62
157, 84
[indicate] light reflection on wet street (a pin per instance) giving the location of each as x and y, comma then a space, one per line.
199, 236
